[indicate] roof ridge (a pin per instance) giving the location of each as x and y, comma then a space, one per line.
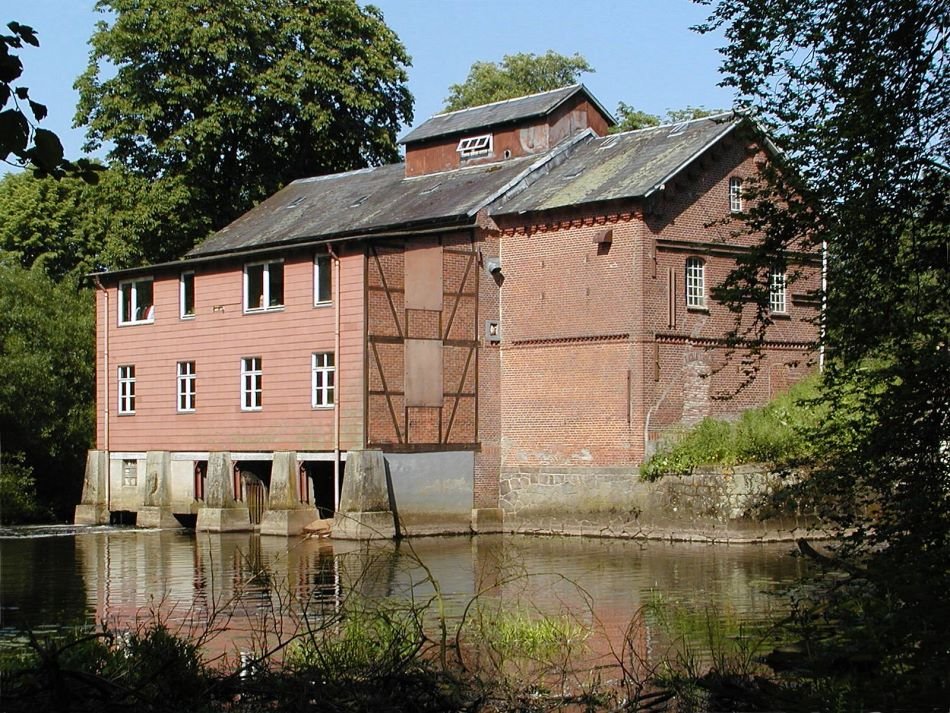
505, 101
670, 124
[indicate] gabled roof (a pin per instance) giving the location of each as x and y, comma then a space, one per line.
628, 165
502, 112
364, 201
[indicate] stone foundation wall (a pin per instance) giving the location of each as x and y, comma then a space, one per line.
711, 505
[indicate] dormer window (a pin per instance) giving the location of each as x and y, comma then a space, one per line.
475, 146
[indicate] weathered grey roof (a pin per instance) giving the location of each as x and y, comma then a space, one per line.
627, 165
363, 201
503, 112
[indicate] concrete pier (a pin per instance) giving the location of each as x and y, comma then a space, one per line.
156, 509
365, 511
285, 515
94, 508
221, 512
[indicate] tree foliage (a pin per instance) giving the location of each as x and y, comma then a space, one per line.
857, 94
122, 221
20, 138
516, 75
47, 358
630, 119
238, 100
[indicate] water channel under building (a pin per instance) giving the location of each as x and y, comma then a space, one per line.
245, 583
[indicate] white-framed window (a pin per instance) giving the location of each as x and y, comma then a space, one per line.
322, 280
778, 292
475, 146
136, 304
186, 295
187, 387
322, 379
130, 473
252, 381
695, 283
127, 389
735, 194
263, 286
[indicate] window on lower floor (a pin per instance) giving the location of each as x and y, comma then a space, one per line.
252, 380
263, 286
130, 473
778, 295
322, 379
126, 389
136, 304
695, 283
187, 381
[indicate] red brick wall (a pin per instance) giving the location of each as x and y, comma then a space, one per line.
591, 368
390, 423
217, 339
488, 457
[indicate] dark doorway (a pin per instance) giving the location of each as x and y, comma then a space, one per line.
321, 474
255, 480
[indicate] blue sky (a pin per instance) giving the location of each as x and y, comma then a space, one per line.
643, 51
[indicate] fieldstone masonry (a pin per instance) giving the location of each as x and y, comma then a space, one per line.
709, 505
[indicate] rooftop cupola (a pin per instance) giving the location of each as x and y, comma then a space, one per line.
503, 130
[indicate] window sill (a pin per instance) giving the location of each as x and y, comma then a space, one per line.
137, 322
125, 413
328, 303
780, 315
261, 310
329, 407
256, 409
187, 412
700, 310
186, 317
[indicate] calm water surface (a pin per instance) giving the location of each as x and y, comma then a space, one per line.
244, 583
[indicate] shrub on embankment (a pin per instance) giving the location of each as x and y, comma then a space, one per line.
777, 434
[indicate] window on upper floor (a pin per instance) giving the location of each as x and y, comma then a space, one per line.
322, 280
136, 303
778, 293
475, 146
322, 379
735, 194
252, 384
695, 283
127, 389
263, 286
187, 382
186, 295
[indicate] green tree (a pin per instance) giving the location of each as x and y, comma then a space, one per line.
515, 76
238, 100
630, 118
47, 358
121, 221
858, 96
20, 138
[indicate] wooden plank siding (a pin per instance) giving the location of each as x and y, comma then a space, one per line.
217, 339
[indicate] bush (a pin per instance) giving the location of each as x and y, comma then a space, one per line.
777, 433
18, 502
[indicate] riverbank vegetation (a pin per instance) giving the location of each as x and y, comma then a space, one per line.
780, 434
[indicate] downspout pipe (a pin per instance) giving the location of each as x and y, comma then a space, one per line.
338, 372
105, 378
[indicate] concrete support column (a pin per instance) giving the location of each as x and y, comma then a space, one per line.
285, 514
366, 511
155, 510
221, 512
93, 509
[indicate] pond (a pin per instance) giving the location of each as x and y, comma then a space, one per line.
248, 586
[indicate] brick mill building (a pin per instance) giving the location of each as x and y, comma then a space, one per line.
514, 316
